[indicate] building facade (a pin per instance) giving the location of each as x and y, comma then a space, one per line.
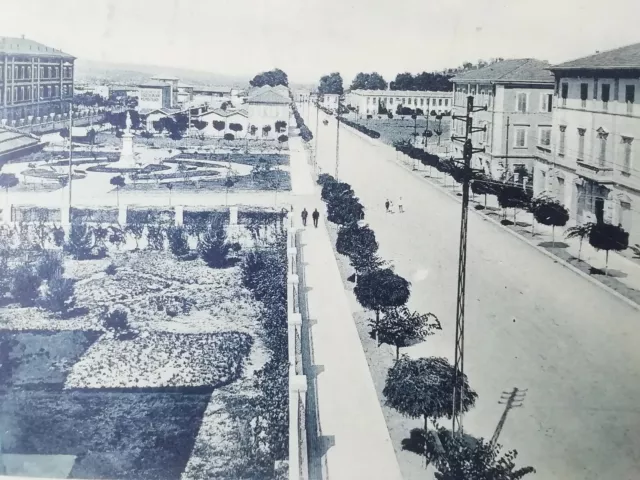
373, 102
330, 100
268, 111
36, 81
518, 96
173, 84
155, 95
594, 167
220, 122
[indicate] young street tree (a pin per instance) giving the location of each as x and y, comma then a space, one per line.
400, 326
381, 289
549, 211
604, 236
512, 196
581, 232
118, 182
423, 388
464, 458
7, 181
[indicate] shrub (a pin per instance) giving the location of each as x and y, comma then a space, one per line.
49, 265
111, 269
361, 128
229, 136
214, 249
59, 295
80, 242
178, 243
155, 237
26, 285
58, 236
283, 138
116, 320
325, 178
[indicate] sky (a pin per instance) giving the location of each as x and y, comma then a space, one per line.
310, 38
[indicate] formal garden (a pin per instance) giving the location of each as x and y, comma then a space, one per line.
146, 350
415, 388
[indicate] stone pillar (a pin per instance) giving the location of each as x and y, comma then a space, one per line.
65, 215
122, 215
179, 215
233, 215
6, 213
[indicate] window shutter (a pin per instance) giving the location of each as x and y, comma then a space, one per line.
606, 90
565, 90
630, 94
584, 91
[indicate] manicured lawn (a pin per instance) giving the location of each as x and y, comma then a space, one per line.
396, 129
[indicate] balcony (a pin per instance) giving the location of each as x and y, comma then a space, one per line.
602, 174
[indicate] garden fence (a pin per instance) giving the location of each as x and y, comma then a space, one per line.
298, 462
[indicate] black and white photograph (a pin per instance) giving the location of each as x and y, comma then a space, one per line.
319, 240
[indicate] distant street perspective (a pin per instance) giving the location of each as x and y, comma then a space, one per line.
317, 241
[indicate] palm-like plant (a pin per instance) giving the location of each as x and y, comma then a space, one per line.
117, 181
581, 232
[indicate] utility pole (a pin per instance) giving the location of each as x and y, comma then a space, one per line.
511, 399
338, 138
70, 151
506, 157
458, 372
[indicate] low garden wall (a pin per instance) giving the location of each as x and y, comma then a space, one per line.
298, 461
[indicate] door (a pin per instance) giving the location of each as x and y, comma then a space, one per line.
599, 209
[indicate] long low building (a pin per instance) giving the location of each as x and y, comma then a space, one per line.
372, 102
14, 144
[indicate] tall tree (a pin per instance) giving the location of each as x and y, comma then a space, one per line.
549, 211
331, 84
118, 181
368, 81
403, 81
271, 78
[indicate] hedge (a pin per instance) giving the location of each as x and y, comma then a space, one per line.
361, 128
153, 216
305, 133
194, 217
94, 215
35, 214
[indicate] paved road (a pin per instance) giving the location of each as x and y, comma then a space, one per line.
531, 323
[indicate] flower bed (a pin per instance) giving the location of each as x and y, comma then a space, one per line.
162, 359
147, 168
242, 158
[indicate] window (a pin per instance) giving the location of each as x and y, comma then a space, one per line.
521, 105
544, 137
627, 145
602, 138
421, 101
584, 93
630, 97
409, 101
391, 101
440, 102
41, 93
546, 102
581, 132
565, 94
446, 102
563, 139
368, 100
606, 92
521, 138
560, 191
488, 134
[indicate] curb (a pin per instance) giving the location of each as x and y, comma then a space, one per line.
542, 250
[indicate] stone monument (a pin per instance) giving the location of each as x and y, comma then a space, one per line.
127, 158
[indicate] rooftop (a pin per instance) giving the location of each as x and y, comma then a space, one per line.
523, 70
153, 85
165, 77
213, 89
399, 93
266, 94
24, 46
166, 111
222, 113
620, 58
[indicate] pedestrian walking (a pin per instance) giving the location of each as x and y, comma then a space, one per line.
304, 216
315, 215
386, 205
400, 208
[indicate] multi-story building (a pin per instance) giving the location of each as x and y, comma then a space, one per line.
330, 100
269, 107
518, 95
593, 166
172, 82
35, 80
153, 95
372, 102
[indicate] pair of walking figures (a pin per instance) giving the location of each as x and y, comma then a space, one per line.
315, 215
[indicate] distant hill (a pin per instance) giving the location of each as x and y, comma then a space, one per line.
93, 71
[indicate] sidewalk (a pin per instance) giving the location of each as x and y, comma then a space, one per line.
352, 440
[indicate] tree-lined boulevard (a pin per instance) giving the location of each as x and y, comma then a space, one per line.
531, 323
